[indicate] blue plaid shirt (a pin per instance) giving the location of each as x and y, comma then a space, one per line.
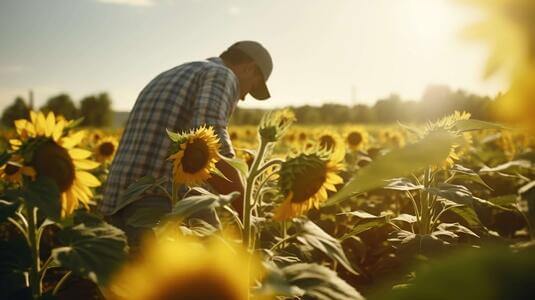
185, 97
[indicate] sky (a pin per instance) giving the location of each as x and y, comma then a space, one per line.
343, 51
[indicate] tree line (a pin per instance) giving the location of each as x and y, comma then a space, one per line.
435, 102
94, 109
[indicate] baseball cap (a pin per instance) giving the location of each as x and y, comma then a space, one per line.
262, 59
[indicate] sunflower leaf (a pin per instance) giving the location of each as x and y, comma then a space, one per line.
312, 235
92, 249
44, 194
431, 150
238, 164
319, 282
175, 137
189, 206
137, 189
8, 209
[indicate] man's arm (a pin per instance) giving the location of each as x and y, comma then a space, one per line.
213, 106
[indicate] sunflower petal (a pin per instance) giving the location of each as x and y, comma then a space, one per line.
87, 179
77, 153
85, 164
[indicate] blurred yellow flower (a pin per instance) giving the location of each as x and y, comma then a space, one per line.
184, 268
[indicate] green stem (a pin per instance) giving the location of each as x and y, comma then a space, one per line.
247, 201
61, 282
425, 220
35, 278
20, 228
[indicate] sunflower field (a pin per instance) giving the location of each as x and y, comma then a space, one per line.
439, 210
327, 213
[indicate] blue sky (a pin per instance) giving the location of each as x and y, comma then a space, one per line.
344, 51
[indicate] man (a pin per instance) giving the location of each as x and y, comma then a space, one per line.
183, 98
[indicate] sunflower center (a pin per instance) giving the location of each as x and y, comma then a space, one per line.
308, 181
200, 286
54, 162
11, 169
327, 142
195, 156
354, 138
106, 148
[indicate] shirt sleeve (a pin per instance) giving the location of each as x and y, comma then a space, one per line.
214, 103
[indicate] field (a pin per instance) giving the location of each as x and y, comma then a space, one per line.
327, 212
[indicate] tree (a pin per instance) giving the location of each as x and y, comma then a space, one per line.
96, 110
63, 105
18, 110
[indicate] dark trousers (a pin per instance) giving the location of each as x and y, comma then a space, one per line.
135, 233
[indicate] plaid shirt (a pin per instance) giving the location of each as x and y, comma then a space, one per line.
185, 97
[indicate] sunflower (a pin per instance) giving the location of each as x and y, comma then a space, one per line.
304, 180
13, 171
448, 123
356, 139
183, 268
55, 155
274, 124
195, 156
105, 149
330, 140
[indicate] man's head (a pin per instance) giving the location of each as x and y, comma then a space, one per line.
252, 64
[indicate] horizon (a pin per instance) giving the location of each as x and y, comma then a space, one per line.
351, 52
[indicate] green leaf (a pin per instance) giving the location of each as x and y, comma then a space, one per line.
504, 200
274, 283
146, 217
473, 124
411, 219
456, 228
175, 137
319, 282
238, 164
468, 214
511, 166
94, 251
137, 189
312, 235
366, 222
462, 173
189, 206
432, 149
402, 184
7, 209
44, 194
453, 192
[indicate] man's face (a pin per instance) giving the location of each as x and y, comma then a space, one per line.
250, 78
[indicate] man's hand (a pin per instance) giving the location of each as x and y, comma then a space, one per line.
223, 186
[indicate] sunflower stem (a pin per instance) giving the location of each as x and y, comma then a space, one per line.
247, 201
35, 280
425, 209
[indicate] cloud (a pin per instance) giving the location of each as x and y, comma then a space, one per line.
129, 2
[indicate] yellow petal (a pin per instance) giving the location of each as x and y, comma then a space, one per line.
87, 179
58, 130
85, 164
77, 153
50, 123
